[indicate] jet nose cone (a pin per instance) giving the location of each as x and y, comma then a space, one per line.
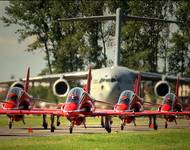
121, 107
10, 104
70, 107
166, 107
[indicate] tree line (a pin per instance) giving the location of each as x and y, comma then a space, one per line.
71, 46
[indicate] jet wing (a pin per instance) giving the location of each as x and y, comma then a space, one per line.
88, 114
156, 77
31, 112
53, 77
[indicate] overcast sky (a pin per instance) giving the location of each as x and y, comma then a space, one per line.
14, 60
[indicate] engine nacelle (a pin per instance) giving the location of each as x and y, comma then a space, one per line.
162, 88
18, 84
61, 88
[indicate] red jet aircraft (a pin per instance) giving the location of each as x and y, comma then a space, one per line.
79, 105
18, 99
171, 104
129, 101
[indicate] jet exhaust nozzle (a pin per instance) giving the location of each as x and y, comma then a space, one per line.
61, 88
162, 88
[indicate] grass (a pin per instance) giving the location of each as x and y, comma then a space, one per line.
159, 140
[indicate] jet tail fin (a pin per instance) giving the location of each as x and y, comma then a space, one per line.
89, 78
26, 84
137, 84
177, 88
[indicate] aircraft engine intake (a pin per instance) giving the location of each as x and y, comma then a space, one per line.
61, 88
18, 84
162, 88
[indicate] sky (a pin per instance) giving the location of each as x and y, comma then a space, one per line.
14, 60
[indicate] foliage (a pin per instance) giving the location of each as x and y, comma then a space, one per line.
180, 51
71, 46
42, 92
142, 40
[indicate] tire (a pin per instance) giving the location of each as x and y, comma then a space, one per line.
70, 130
45, 125
166, 125
122, 127
10, 125
52, 128
155, 126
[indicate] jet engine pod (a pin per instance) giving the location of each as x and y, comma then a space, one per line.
162, 88
18, 84
61, 88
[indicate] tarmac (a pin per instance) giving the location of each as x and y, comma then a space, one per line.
91, 129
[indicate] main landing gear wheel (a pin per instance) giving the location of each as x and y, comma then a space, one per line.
58, 123
102, 122
108, 124
122, 127
52, 128
166, 125
45, 125
52, 123
154, 122
10, 125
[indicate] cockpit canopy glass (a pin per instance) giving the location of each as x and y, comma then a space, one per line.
126, 97
169, 99
108, 80
74, 96
14, 93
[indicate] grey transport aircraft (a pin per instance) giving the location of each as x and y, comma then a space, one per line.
108, 83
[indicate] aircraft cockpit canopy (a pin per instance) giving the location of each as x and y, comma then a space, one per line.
126, 97
108, 80
14, 93
74, 96
169, 99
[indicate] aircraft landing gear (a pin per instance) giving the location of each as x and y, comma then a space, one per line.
166, 124
102, 122
71, 128
52, 123
10, 123
154, 122
108, 124
134, 122
58, 121
122, 124
84, 123
45, 124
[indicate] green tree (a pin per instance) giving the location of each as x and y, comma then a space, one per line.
142, 40
179, 58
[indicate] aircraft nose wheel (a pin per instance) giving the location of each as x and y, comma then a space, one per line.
154, 122
70, 130
166, 125
122, 127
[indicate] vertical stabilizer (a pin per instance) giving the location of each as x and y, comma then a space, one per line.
89, 78
26, 84
137, 84
177, 88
